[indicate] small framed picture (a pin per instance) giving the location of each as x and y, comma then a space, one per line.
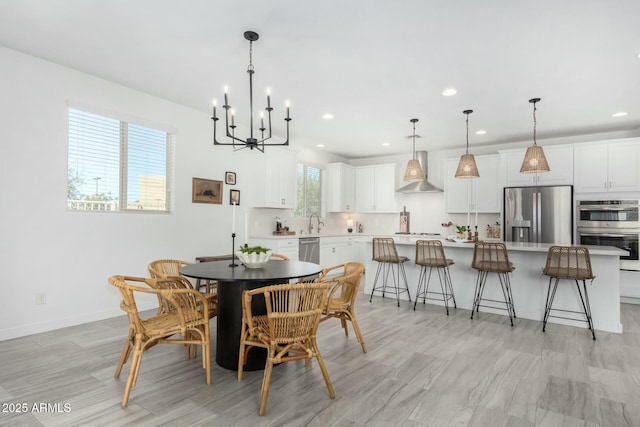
230, 178
207, 191
234, 197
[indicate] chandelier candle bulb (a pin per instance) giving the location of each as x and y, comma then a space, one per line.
214, 108
268, 98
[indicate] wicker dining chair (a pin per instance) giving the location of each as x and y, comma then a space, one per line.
171, 268
341, 299
287, 331
188, 321
570, 263
279, 257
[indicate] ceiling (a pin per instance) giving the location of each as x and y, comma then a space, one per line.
373, 64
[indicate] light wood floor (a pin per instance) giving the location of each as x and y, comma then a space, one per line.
422, 368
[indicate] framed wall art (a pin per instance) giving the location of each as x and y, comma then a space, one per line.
206, 191
234, 197
230, 178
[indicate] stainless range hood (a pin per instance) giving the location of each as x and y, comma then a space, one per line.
423, 186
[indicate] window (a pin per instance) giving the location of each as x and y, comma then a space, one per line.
114, 165
309, 191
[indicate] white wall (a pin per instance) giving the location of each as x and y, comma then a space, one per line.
69, 255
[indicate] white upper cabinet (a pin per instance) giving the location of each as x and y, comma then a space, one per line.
340, 193
481, 194
559, 157
375, 188
280, 181
611, 166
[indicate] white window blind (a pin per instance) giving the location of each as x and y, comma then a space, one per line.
309, 191
116, 166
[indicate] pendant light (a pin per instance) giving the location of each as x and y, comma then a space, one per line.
467, 167
414, 170
534, 160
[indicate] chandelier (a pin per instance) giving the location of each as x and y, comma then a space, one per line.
467, 166
251, 142
534, 159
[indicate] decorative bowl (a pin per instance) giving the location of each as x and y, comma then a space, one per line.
253, 260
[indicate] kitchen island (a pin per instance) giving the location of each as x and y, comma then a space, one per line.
528, 284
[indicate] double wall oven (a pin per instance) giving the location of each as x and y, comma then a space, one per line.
611, 223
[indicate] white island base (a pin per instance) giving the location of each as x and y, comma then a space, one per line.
528, 284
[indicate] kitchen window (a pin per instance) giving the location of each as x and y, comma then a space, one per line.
309, 191
116, 165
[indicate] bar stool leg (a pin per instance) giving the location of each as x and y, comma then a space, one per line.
375, 281
421, 283
447, 276
406, 283
504, 284
586, 306
444, 290
480, 282
550, 296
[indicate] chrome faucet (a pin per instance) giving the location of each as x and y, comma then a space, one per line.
310, 228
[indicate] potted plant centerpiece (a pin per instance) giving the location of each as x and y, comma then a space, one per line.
254, 256
461, 229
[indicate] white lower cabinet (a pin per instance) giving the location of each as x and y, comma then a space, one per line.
336, 250
287, 247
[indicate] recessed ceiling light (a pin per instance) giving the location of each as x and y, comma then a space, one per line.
327, 116
481, 132
449, 92
385, 144
320, 145
620, 114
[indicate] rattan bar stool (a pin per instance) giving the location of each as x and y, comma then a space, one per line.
384, 251
492, 257
571, 263
430, 255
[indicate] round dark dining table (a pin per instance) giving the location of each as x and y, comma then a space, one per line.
231, 282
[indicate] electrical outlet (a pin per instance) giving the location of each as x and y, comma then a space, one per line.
41, 298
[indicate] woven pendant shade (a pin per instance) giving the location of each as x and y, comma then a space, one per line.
467, 167
534, 161
414, 172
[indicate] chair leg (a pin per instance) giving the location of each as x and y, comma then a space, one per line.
241, 354
133, 372
126, 350
323, 368
356, 328
266, 381
480, 280
406, 283
586, 306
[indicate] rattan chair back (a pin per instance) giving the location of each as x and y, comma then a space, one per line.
430, 253
166, 267
279, 257
569, 262
491, 257
384, 250
189, 318
341, 298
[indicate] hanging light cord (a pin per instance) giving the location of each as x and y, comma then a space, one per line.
414, 140
534, 123
467, 133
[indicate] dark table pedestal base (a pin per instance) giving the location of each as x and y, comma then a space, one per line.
230, 324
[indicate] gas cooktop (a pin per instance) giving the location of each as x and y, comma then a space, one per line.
418, 234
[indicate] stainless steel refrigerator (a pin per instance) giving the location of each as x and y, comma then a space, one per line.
539, 214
